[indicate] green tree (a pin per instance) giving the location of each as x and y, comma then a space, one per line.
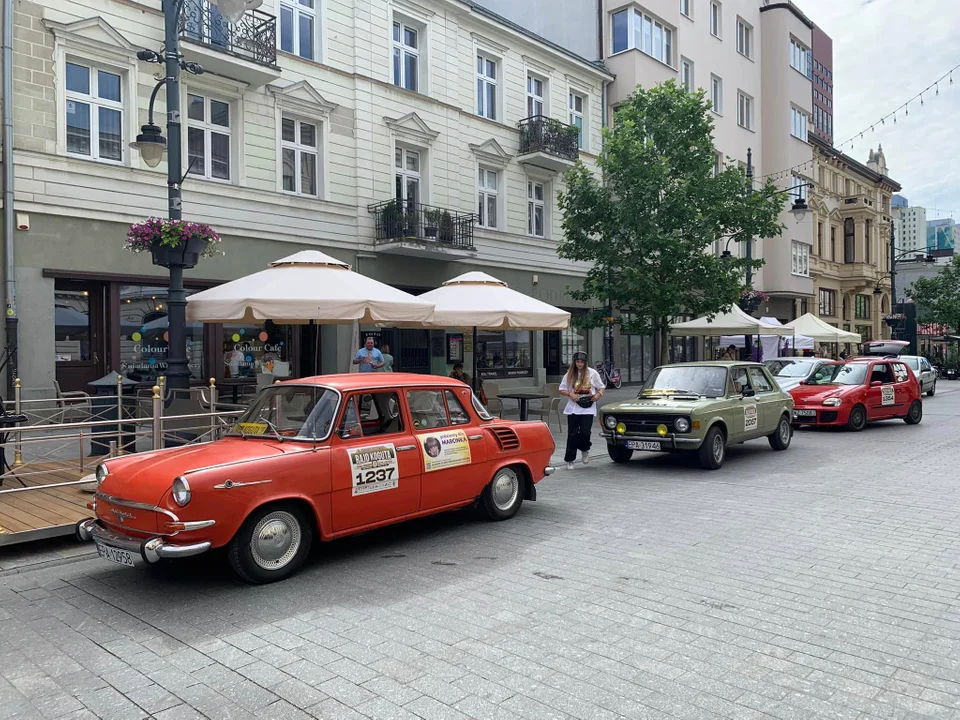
647, 227
938, 297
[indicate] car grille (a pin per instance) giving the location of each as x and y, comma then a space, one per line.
647, 423
828, 417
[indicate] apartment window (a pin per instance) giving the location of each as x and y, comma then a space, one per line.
744, 111
867, 240
488, 184
534, 96
828, 302
535, 209
576, 116
800, 256
686, 74
487, 87
298, 22
862, 307
298, 147
717, 163
94, 113
633, 29
716, 19
800, 183
798, 124
849, 243
406, 175
716, 94
686, 8
800, 58
820, 239
833, 243
208, 137
744, 39
406, 56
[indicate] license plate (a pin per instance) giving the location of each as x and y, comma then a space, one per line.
115, 555
642, 445
804, 413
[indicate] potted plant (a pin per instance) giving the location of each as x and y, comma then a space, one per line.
447, 229
173, 242
432, 219
390, 219
750, 300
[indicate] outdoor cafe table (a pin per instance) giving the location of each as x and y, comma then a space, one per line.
523, 398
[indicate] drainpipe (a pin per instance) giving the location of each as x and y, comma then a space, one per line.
9, 268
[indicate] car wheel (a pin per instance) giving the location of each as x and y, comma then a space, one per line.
780, 438
619, 454
503, 497
272, 544
933, 389
858, 419
713, 450
915, 414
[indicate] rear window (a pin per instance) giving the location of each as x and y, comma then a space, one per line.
913, 362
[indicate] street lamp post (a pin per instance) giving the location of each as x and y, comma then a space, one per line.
748, 340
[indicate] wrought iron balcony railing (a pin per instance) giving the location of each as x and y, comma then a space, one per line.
546, 135
253, 37
398, 220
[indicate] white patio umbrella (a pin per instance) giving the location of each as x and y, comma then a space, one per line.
477, 300
812, 326
733, 322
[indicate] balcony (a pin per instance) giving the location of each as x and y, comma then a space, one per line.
407, 228
245, 50
547, 143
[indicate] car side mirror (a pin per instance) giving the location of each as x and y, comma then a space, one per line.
747, 392
876, 383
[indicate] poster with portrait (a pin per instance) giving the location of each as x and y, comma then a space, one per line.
442, 450
373, 468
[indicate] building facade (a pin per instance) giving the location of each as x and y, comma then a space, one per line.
910, 229
822, 86
416, 141
851, 259
941, 234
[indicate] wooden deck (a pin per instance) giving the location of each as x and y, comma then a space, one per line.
34, 514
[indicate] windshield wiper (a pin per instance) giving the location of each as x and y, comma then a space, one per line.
685, 392
273, 429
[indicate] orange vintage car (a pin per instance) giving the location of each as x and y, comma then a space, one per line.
321, 457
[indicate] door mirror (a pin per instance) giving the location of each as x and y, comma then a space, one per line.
749, 392
876, 383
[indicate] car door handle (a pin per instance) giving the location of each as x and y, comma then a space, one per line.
406, 447
475, 437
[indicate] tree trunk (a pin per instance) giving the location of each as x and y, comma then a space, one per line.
664, 343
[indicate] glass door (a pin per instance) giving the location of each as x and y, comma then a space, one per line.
79, 334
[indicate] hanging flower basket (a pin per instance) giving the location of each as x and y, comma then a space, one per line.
750, 300
173, 242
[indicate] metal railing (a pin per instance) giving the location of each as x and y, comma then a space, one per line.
253, 37
404, 220
546, 135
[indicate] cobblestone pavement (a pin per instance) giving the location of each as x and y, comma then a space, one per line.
819, 582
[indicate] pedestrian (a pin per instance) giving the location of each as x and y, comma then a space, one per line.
459, 374
387, 359
368, 357
584, 387
844, 355
730, 354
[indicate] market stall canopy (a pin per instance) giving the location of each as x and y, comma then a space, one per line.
307, 286
772, 346
478, 300
813, 327
733, 322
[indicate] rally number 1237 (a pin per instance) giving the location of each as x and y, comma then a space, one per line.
365, 477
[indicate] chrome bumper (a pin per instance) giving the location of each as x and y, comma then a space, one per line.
150, 550
668, 442
549, 470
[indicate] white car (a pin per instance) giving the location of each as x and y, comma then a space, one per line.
789, 372
924, 371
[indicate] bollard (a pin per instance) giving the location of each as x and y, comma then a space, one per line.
119, 442
157, 413
114, 451
213, 409
17, 452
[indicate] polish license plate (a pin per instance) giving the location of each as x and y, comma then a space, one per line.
804, 413
115, 555
642, 445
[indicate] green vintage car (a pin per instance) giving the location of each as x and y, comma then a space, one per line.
699, 407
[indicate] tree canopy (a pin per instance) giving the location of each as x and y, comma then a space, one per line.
648, 225
938, 298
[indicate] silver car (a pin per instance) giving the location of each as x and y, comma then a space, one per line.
791, 371
924, 371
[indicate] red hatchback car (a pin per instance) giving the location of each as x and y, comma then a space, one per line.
856, 392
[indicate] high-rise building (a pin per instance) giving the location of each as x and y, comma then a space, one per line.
910, 229
822, 86
899, 201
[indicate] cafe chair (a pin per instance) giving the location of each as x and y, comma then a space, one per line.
550, 405
494, 404
73, 404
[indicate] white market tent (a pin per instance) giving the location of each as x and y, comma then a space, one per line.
813, 327
772, 345
733, 322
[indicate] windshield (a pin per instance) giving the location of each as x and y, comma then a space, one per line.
789, 368
698, 380
850, 374
292, 411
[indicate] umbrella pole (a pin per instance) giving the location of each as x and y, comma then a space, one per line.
316, 348
475, 379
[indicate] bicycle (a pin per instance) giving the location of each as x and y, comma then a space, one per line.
609, 373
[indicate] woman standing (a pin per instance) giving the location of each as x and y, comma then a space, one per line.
387, 359
583, 385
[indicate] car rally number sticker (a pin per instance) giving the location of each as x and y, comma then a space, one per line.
374, 468
886, 395
750, 418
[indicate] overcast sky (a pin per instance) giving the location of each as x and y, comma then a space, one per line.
884, 53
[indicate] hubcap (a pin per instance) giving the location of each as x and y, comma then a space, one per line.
506, 487
275, 540
784, 430
718, 448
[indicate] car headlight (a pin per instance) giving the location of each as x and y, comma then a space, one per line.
181, 491
102, 473
610, 422
681, 424
832, 402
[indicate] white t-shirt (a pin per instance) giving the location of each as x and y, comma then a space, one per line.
593, 384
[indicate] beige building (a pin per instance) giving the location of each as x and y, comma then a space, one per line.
851, 250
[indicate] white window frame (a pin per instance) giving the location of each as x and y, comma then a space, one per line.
800, 58
484, 82
686, 8
716, 94
744, 38
717, 162
533, 204
649, 35
299, 150
799, 124
716, 19
297, 8
533, 99
745, 106
398, 46
800, 259
580, 115
407, 174
208, 129
95, 102
687, 78
802, 191
485, 193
